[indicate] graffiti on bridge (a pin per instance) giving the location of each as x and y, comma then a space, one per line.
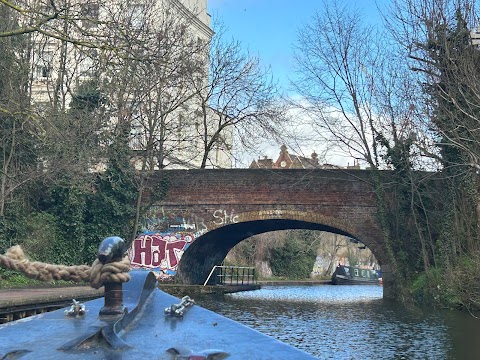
162, 251
223, 217
167, 235
157, 220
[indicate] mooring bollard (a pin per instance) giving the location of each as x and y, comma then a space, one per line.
111, 250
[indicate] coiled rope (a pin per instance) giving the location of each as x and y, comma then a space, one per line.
97, 274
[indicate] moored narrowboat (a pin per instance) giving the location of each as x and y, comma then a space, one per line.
349, 275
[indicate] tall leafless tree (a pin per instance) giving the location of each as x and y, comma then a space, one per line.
362, 97
437, 39
352, 86
239, 103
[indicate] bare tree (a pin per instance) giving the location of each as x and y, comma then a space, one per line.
437, 39
238, 103
48, 18
156, 50
23, 132
362, 97
353, 86
440, 41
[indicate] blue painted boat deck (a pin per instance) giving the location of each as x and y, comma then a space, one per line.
149, 336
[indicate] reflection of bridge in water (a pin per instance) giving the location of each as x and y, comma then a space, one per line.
203, 214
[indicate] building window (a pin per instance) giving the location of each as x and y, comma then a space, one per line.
87, 63
90, 11
181, 122
137, 138
43, 68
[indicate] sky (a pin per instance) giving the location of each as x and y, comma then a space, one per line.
269, 30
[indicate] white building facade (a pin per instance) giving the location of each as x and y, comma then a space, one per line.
146, 59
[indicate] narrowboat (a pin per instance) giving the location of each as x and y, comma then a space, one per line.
349, 275
137, 321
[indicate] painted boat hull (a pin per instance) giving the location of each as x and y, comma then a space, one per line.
346, 275
341, 280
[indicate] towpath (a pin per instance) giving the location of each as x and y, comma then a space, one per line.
18, 303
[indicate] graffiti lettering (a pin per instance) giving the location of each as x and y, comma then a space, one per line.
161, 221
223, 218
157, 250
202, 229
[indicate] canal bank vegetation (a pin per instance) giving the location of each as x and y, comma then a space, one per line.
406, 98
281, 255
10, 279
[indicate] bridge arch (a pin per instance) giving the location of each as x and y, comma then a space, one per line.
212, 247
219, 204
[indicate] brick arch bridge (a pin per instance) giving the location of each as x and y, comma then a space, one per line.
220, 208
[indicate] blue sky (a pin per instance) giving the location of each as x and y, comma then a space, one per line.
269, 28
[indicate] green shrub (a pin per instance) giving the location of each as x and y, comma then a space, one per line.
425, 287
41, 239
455, 287
293, 260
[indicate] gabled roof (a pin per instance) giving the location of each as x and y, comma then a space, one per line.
287, 161
264, 163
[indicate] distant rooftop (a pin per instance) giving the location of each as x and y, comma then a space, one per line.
289, 161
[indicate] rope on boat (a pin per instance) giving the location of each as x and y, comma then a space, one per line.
97, 274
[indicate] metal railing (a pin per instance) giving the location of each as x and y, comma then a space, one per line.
232, 275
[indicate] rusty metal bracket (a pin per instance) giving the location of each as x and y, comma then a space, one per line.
187, 354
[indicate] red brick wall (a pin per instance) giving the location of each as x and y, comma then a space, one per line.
339, 200
218, 197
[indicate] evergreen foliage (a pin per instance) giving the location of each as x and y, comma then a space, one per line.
295, 258
65, 208
62, 219
111, 208
456, 116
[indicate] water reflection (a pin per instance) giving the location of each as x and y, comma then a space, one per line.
350, 322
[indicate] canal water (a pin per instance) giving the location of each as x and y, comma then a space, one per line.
351, 322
